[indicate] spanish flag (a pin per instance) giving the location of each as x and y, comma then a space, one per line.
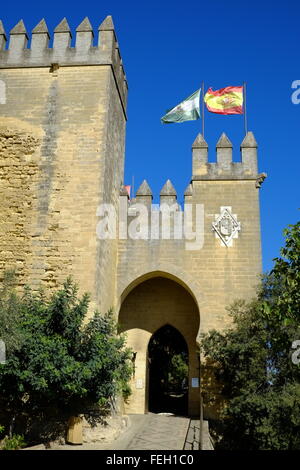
227, 100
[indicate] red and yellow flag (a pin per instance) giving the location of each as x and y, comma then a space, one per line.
127, 187
227, 100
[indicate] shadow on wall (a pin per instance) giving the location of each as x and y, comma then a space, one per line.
213, 401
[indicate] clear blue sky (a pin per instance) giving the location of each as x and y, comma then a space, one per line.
168, 48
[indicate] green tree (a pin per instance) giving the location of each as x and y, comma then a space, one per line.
178, 371
260, 382
10, 308
280, 288
62, 363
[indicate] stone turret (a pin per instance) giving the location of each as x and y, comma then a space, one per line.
249, 153
62, 37
40, 37
144, 194
84, 35
107, 35
2, 37
168, 193
18, 39
188, 194
224, 152
200, 155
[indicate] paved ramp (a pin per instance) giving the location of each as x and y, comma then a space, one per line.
151, 432
154, 432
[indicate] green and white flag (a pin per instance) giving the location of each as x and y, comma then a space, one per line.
187, 110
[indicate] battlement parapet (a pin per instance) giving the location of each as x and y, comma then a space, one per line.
225, 168
18, 55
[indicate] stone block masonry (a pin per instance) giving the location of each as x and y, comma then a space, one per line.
62, 133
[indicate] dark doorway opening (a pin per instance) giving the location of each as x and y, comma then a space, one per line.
168, 372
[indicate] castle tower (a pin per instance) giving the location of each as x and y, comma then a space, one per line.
186, 282
62, 132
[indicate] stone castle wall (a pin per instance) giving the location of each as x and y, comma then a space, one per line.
62, 132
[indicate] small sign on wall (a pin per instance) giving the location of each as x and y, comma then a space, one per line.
2, 92
139, 383
195, 382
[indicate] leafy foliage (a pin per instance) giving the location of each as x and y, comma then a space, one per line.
280, 288
260, 383
178, 371
10, 309
168, 359
62, 362
13, 443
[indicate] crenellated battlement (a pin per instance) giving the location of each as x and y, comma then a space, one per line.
225, 168
144, 195
19, 55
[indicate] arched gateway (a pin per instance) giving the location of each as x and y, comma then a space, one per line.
161, 320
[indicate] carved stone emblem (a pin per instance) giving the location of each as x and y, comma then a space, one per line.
226, 226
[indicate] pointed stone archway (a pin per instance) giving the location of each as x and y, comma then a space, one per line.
149, 306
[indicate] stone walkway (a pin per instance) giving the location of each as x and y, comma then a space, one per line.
159, 432
162, 432
153, 432
146, 432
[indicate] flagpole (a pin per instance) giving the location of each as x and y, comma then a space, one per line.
132, 184
202, 109
245, 109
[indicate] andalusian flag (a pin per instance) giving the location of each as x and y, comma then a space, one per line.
227, 100
187, 110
